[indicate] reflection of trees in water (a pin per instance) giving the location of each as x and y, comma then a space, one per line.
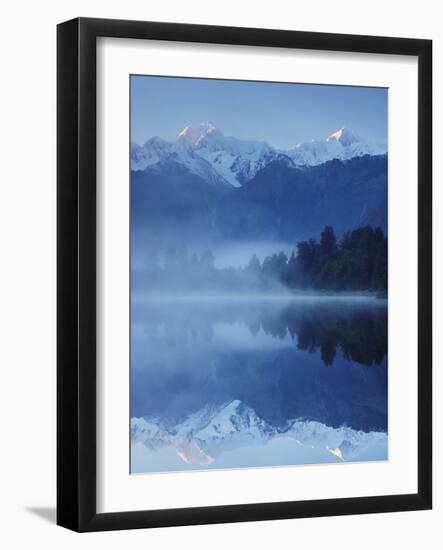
361, 333
358, 330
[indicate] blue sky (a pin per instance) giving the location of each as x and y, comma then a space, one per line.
280, 114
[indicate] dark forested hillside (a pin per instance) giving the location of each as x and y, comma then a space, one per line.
284, 202
281, 203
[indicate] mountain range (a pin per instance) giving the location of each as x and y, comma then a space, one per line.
205, 151
206, 188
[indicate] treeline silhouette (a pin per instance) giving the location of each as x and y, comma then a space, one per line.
357, 263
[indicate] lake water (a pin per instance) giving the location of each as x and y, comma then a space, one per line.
252, 382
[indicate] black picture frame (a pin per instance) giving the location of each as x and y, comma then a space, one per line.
76, 273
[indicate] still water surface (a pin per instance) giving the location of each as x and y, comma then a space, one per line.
239, 382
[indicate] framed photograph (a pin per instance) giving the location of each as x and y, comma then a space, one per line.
244, 274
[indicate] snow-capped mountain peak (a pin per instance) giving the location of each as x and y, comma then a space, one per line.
344, 136
192, 134
343, 145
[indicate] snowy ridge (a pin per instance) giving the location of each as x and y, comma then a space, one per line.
204, 435
342, 145
235, 161
153, 151
188, 159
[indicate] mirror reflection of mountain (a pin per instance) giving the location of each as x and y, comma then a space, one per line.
303, 360
233, 436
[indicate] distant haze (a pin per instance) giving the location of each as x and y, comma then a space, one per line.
238, 253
